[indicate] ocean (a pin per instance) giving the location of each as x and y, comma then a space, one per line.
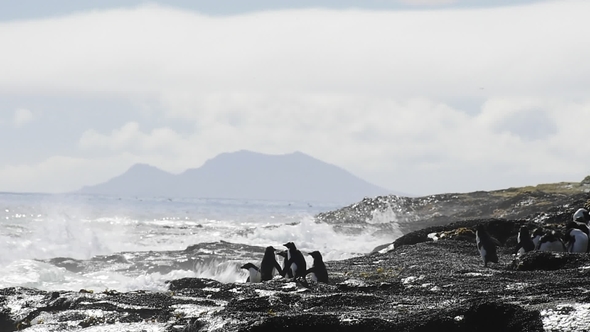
98, 243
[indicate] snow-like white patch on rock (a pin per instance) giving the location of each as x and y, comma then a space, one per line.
567, 317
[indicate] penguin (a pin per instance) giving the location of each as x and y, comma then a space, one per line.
318, 270
486, 246
525, 242
582, 215
269, 264
286, 272
255, 276
579, 225
551, 242
295, 261
536, 236
576, 239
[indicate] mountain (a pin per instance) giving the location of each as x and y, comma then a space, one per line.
245, 175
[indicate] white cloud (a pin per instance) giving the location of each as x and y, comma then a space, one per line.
452, 53
373, 92
60, 173
21, 117
428, 2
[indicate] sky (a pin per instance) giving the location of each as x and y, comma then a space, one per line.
417, 96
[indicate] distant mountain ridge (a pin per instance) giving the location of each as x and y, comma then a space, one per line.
245, 175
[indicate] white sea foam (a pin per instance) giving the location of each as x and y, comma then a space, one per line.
383, 216
34, 227
310, 236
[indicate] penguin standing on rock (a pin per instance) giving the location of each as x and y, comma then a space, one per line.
525, 243
551, 242
286, 272
255, 276
536, 237
269, 263
318, 270
579, 225
295, 261
576, 238
486, 245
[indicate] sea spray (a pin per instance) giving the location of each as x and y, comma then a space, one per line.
140, 243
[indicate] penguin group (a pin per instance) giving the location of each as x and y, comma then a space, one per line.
294, 266
574, 239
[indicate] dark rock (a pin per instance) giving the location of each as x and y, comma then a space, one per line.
500, 229
6, 322
497, 316
540, 260
192, 283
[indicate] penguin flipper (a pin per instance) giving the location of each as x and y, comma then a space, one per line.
492, 257
495, 241
518, 247
279, 269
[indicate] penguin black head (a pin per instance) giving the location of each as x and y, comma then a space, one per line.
270, 249
550, 237
557, 234
571, 224
316, 255
249, 266
290, 245
582, 215
524, 231
538, 232
481, 230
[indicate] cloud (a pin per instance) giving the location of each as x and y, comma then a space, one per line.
374, 92
517, 50
428, 2
21, 117
59, 173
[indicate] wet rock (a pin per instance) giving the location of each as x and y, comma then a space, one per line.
501, 229
6, 322
540, 260
553, 203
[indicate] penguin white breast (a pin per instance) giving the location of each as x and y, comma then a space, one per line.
551, 246
581, 241
482, 250
255, 275
536, 240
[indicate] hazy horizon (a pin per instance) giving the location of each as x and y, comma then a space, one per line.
417, 96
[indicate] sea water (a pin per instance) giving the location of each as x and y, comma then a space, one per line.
36, 228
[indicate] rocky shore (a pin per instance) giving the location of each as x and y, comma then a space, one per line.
432, 278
